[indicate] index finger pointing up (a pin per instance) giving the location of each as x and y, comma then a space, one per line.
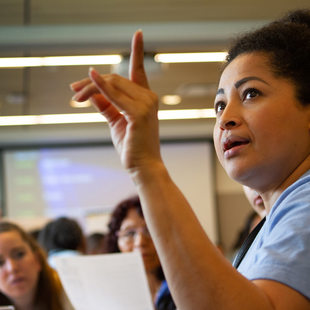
136, 66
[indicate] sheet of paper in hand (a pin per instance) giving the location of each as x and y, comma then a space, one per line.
109, 281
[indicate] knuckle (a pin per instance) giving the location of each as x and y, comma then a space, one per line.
113, 78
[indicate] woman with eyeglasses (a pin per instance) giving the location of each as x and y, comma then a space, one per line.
128, 233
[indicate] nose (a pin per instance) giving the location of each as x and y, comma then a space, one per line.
10, 265
231, 116
140, 239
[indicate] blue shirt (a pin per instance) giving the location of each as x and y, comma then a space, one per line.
164, 299
54, 254
281, 250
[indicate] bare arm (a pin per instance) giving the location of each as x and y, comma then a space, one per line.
198, 275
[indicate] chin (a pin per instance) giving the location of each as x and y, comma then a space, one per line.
242, 174
236, 173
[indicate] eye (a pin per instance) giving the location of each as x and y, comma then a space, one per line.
250, 93
219, 106
130, 233
19, 254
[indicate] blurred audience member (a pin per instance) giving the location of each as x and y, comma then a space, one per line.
62, 237
35, 233
255, 200
27, 282
128, 233
95, 243
252, 219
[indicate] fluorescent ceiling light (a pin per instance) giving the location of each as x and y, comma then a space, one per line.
171, 99
190, 57
77, 104
21, 62
51, 119
186, 114
79, 118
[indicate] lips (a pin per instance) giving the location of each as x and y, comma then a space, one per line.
233, 141
17, 281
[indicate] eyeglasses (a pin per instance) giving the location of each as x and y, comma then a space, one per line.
132, 233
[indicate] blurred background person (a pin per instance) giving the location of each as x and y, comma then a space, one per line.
251, 221
128, 233
26, 280
62, 237
255, 200
95, 243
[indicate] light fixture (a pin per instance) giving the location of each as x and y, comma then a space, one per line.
22, 62
79, 118
186, 114
83, 104
171, 99
190, 57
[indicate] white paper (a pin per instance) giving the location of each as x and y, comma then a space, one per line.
108, 281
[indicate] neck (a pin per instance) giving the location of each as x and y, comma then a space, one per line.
23, 306
270, 196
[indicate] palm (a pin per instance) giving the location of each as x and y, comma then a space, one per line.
130, 108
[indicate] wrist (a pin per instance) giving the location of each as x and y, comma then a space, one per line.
149, 173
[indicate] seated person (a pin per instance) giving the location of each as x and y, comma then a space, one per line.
95, 243
251, 221
255, 200
253, 218
127, 233
62, 237
26, 280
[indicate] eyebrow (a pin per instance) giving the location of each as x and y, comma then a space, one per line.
241, 82
249, 78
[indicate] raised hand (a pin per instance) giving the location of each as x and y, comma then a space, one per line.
130, 108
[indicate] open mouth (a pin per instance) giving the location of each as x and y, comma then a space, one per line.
231, 143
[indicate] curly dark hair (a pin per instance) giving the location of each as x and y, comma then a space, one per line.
116, 219
286, 42
118, 215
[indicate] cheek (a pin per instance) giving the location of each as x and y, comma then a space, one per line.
124, 247
36, 267
2, 282
217, 142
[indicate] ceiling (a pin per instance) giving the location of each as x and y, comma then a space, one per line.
75, 27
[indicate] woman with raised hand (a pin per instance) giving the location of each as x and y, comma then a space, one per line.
26, 280
262, 139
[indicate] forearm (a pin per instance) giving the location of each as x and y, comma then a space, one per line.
198, 274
